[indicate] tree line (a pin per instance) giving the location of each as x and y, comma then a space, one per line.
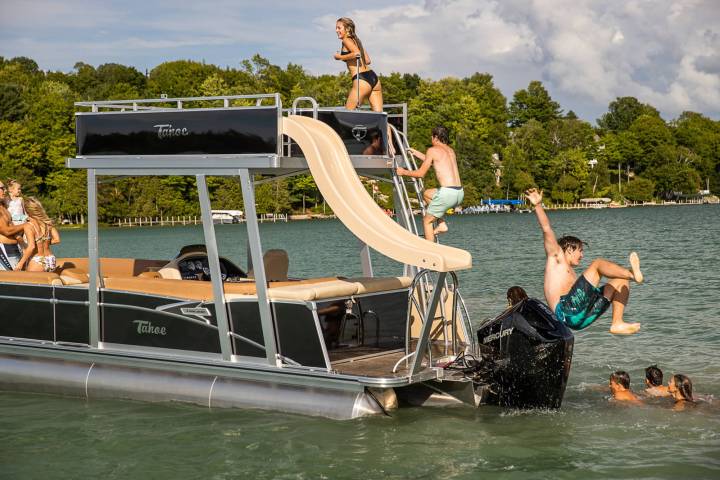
503, 147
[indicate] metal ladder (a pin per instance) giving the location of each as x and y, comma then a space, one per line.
429, 291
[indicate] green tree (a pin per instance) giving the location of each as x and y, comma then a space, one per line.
623, 111
12, 105
533, 140
651, 132
639, 190
180, 78
533, 103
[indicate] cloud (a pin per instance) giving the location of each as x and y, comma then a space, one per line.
664, 52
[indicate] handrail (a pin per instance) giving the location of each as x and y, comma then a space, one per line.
112, 103
305, 99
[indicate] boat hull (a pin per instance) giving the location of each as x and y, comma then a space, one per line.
146, 380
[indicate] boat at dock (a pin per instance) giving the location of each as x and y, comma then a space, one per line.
195, 327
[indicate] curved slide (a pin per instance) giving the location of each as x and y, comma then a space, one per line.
342, 189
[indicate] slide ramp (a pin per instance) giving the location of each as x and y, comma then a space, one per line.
342, 189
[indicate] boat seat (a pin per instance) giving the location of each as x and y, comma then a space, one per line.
34, 278
313, 291
194, 289
380, 284
73, 276
276, 264
113, 267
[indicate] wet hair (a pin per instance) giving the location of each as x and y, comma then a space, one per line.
350, 30
516, 295
684, 386
621, 377
654, 375
568, 242
442, 134
35, 210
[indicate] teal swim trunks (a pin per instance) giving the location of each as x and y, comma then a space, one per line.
582, 305
444, 199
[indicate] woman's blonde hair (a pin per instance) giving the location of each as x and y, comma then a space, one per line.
34, 209
350, 29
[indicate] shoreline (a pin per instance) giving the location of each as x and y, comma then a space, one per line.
194, 220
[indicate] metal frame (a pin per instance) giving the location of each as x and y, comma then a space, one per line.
253, 231
214, 264
201, 166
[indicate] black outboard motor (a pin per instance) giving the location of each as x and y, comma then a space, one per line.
526, 356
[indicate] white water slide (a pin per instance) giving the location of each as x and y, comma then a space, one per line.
342, 189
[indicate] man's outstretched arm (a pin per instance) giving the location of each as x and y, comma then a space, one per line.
551, 245
420, 172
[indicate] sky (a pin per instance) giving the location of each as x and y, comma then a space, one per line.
586, 53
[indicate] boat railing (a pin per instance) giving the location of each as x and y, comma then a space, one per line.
180, 102
438, 309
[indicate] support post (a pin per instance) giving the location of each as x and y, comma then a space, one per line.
95, 281
366, 260
427, 323
214, 264
255, 246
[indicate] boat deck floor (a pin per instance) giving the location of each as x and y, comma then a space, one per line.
379, 365
374, 362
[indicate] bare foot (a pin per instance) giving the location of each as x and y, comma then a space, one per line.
441, 228
635, 266
624, 328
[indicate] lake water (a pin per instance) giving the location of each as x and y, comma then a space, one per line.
589, 437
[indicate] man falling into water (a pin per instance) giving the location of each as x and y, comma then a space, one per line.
578, 301
450, 194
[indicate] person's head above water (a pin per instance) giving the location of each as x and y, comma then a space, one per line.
680, 387
653, 376
516, 295
441, 134
573, 248
619, 379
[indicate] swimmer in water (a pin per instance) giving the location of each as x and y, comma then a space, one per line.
620, 388
516, 295
681, 389
654, 382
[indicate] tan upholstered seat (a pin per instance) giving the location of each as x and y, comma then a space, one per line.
380, 284
276, 264
73, 276
314, 291
198, 290
113, 267
34, 278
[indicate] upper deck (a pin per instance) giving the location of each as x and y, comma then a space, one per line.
217, 135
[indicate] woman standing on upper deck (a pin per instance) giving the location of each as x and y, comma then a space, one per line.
365, 81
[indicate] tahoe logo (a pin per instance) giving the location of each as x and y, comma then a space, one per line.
166, 130
359, 132
144, 326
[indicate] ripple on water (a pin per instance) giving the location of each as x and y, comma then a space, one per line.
589, 436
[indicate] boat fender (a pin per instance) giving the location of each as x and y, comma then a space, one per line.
385, 397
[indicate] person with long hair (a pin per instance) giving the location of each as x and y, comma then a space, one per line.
681, 388
40, 234
366, 84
